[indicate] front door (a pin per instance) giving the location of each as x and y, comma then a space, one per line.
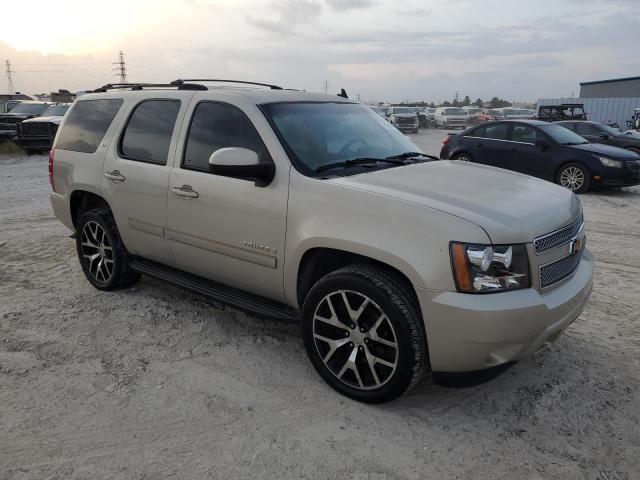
221, 228
523, 155
488, 144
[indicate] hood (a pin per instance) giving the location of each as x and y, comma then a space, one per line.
56, 120
17, 115
608, 151
510, 207
405, 115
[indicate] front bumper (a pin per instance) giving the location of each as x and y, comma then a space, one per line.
42, 142
617, 177
406, 127
468, 332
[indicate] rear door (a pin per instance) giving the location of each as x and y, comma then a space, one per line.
137, 167
487, 144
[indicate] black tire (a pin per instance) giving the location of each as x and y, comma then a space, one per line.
387, 293
112, 252
581, 177
463, 156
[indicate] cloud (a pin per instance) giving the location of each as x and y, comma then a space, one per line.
289, 15
349, 4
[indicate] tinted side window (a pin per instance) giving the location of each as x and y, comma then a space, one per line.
497, 131
87, 123
587, 129
215, 126
525, 134
148, 134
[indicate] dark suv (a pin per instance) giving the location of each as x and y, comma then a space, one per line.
600, 133
9, 121
545, 150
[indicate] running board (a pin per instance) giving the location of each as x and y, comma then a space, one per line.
245, 301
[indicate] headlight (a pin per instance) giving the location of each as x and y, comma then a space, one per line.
608, 162
489, 268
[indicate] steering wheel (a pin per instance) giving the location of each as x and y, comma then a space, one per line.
347, 148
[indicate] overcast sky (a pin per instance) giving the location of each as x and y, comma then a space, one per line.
382, 50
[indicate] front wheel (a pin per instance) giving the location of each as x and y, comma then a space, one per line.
463, 157
103, 256
575, 177
362, 331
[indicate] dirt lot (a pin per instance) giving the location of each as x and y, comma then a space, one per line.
154, 382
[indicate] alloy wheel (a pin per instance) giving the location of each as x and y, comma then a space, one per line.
572, 178
355, 339
97, 252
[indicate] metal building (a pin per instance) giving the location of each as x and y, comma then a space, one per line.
609, 101
614, 88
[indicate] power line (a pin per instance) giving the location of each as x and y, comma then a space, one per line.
9, 77
326, 87
121, 67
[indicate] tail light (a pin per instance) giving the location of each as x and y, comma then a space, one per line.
446, 140
51, 154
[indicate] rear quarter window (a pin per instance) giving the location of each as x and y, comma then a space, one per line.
87, 123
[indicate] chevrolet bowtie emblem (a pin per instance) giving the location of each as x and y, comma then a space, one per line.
576, 244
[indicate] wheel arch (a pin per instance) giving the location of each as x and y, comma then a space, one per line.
318, 261
82, 200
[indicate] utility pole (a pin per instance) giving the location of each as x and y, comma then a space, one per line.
326, 87
121, 67
9, 77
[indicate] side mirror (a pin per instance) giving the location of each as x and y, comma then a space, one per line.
242, 163
543, 144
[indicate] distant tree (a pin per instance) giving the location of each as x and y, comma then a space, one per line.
446, 104
499, 103
432, 105
467, 101
478, 103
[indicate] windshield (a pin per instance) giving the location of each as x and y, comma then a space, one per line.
474, 110
403, 110
454, 111
614, 132
30, 108
494, 112
563, 135
55, 111
319, 134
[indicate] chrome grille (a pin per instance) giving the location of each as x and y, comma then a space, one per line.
556, 271
557, 238
406, 121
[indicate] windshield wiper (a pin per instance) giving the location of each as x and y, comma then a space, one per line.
411, 155
575, 143
362, 161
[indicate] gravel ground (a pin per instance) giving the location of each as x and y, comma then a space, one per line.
154, 382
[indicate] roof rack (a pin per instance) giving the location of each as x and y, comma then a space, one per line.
141, 86
181, 82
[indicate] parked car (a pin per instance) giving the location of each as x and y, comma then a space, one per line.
488, 115
430, 113
450, 117
210, 189
8, 101
600, 133
547, 151
379, 111
404, 119
564, 111
37, 134
473, 112
9, 121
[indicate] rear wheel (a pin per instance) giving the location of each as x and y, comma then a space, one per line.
362, 331
575, 177
103, 256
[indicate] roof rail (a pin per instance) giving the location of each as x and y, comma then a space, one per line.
181, 82
141, 86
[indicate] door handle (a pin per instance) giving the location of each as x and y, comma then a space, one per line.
115, 176
185, 191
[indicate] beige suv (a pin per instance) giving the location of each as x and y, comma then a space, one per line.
297, 205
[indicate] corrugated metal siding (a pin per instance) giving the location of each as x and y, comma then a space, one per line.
617, 110
611, 89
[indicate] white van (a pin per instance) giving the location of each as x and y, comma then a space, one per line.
447, 117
